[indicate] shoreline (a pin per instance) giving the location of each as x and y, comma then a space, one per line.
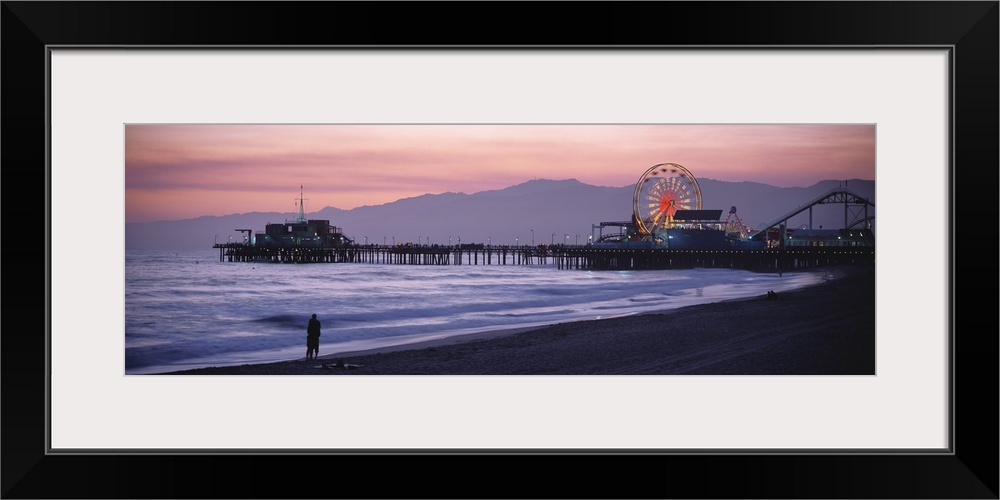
803, 331
489, 333
498, 332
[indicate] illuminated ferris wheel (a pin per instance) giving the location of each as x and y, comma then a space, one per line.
660, 193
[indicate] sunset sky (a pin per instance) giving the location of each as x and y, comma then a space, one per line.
185, 171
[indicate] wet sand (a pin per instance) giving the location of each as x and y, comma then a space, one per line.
826, 329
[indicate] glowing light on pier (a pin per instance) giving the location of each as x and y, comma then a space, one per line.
661, 191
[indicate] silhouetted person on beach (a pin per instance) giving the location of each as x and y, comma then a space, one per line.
312, 338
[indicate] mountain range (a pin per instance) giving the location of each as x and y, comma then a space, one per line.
534, 212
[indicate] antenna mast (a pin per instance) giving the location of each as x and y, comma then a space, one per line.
302, 213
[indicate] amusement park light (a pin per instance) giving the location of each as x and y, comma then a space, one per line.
660, 192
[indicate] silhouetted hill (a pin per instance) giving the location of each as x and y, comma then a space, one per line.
559, 211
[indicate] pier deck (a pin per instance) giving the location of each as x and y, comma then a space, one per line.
569, 257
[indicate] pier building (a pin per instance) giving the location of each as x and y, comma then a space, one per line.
299, 233
311, 233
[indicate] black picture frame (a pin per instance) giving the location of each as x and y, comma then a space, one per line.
970, 29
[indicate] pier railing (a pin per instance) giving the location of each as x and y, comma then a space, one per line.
563, 257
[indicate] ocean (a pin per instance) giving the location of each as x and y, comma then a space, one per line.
188, 310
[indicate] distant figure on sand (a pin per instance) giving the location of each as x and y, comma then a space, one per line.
771, 295
312, 338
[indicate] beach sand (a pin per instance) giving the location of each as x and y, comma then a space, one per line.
826, 329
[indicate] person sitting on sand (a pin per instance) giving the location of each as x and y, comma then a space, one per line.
312, 338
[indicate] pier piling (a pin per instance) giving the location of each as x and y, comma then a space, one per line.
584, 257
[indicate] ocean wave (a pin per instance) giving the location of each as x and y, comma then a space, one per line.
531, 314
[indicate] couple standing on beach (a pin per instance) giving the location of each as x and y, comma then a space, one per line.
312, 338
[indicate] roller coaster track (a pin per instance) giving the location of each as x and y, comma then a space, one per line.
854, 205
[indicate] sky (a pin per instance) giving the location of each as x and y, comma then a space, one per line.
175, 172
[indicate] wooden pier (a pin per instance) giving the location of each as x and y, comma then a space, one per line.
377, 254
563, 257
772, 259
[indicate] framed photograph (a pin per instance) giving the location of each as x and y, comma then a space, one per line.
99, 75
492, 231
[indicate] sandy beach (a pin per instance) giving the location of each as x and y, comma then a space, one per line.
826, 329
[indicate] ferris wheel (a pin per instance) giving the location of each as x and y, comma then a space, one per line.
662, 191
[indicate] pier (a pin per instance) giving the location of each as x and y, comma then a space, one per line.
659, 258
563, 257
669, 230
381, 254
